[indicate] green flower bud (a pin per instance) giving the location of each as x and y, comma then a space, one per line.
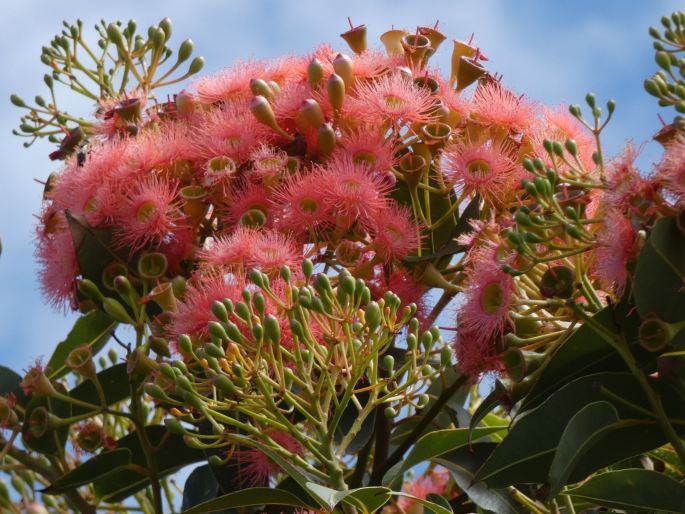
166, 370
114, 34
315, 72
325, 140
219, 310
215, 461
389, 363
272, 329
258, 332
242, 311
183, 383
285, 273
427, 340
427, 371
390, 413
342, 65
185, 50
233, 332
156, 392
372, 315
166, 26
335, 87
663, 60
88, 289
445, 356
528, 165
17, 101
174, 426
225, 385
259, 303
412, 341
590, 100
423, 400
185, 344
296, 328
196, 65
214, 350
116, 311
307, 268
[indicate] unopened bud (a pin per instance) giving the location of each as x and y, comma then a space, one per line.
315, 72
343, 66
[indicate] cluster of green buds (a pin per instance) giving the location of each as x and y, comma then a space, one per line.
123, 61
336, 354
668, 84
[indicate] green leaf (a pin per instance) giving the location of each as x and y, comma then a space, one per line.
491, 402
368, 499
435, 444
200, 487
94, 329
9, 383
249, 498
437, 509
463, 464
94, 468
526, 454
115, 385
438, 500
172, 454
660, 273
585, 353
633, 490
590, 424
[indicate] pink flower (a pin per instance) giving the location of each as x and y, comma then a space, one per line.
433, 482
242, 198
390, 97
671, 170
231, 131
486, 168
367, 145
356, 193
301, 205
493, 104
255, 468
229, 85
56, 255
617, 246
395, 233
195, 311
268, 164
148, 214
245, 249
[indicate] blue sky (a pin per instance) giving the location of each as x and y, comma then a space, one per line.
553, 51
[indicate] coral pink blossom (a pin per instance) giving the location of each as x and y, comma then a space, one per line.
395, 233
356, 193
230, 131
268, 164
486, 168
367, 145
149, 213
195, 311
617, 247
229, 85
433, 482
488, 296
495, 105
243, 198
301, 205
246, 248
393, 97
671, 171
56, 255
255, 468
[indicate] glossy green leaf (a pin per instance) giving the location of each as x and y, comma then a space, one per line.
115, 384
435, 444
633, 490
434, 507
366, 499
463, 464
9, 383
249, 498
172, 454
585, 353
526, 454
660, 273
200, 487
94, 329
487, 405
92, 469
590, 424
